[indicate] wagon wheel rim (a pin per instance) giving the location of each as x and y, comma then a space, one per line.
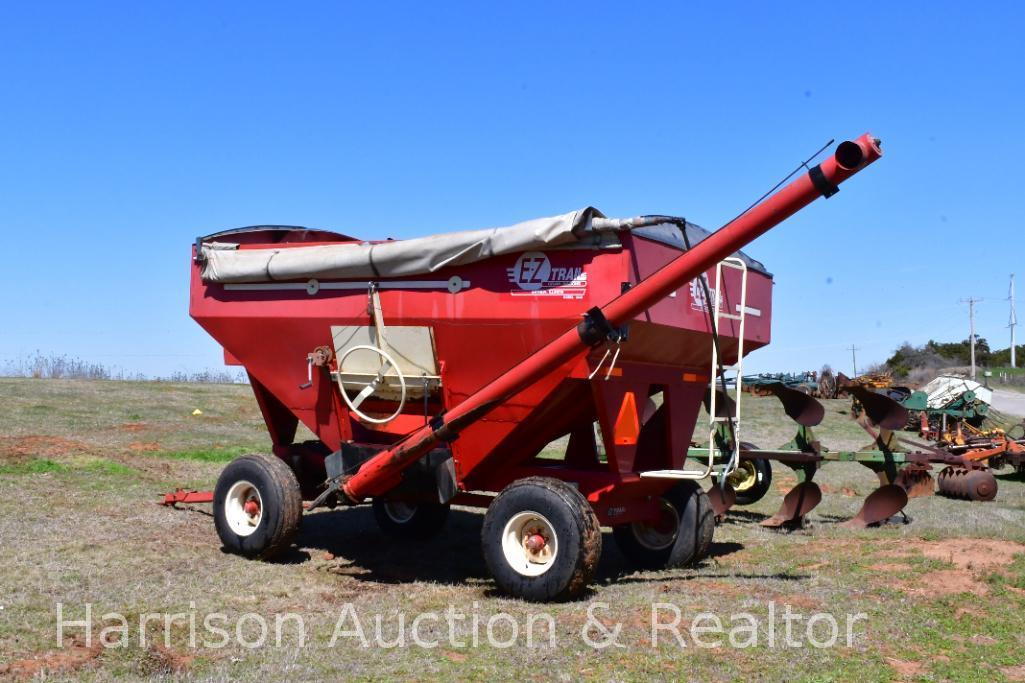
243, 508
662, 534
744, 477
366, 392
529, 543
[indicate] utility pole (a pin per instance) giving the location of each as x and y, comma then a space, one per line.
854, 358
1013, 321
971, 301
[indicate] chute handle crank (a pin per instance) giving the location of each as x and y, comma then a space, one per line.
320, 357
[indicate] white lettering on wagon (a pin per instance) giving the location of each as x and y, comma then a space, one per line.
534, 275
698, 301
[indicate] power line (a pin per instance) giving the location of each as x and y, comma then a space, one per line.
854, 358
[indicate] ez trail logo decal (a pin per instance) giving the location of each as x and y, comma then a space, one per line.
698, 301
534, 275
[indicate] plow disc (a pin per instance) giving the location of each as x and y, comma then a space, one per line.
798, 502
881, 504
721, 498
799, 406
725, 406
915, 480
974, 484
882, 410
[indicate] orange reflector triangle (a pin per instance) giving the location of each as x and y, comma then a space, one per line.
628, 425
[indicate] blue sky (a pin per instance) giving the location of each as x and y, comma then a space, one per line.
127, 129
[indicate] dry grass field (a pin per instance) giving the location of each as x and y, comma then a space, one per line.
82, 464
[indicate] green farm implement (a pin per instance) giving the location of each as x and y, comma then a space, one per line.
903, 466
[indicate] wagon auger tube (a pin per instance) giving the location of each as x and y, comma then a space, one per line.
382, 472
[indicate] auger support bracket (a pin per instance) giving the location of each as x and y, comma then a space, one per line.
595, 329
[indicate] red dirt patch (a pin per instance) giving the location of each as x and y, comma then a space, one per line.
945, 582
15, 449
144, 446
843, 490
974, 554
167, 660
964, 611
905, 669
785, 483
795, 600
1014, 673
71, 658
813, 567
971, 557
132, 427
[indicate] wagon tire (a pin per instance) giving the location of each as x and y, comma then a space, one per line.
410, 520
683, 536
541, 540
257, 506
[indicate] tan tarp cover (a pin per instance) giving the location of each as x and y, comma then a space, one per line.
417, 256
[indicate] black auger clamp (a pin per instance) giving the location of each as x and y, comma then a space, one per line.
821, 182
441, 429
595, 329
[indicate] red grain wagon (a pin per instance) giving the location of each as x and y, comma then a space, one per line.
438, 370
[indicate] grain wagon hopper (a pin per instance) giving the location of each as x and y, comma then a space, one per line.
435, 371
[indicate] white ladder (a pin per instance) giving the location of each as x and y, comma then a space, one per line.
741, 315
713, 419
